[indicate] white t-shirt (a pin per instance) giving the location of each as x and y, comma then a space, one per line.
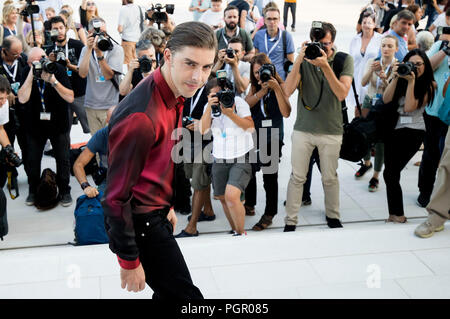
244, 71
130, 20
212, 18
230, 141
440, 22
4, 113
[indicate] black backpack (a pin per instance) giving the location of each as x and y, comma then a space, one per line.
361, 132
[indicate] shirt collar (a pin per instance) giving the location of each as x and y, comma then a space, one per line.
166, 93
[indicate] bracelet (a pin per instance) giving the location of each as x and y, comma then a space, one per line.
85, 185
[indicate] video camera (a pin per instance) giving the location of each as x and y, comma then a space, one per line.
158, 15
44, 64
31, 8
225, 95
104, 41
406, 68
313, 49
266, 71
145, 64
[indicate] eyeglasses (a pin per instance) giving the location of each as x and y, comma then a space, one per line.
13, 55
90, 4
418, 64
327, 44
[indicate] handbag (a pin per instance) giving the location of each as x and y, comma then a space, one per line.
385, 116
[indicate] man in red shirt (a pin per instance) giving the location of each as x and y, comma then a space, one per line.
139, 191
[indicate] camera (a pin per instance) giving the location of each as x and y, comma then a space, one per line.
225, 95
31, 8
445, 46
187, 120
7, 155
44, 64
158, 15
313, 50
230, 53
266, 72
406, 68
145, 64
50, 38
103, 42
443, 30
317, 31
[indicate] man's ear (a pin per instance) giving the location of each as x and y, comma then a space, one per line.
168, 56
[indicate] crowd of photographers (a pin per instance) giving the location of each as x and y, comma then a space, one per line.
57, 69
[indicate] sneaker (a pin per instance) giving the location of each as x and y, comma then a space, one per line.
334, 223
237, 234
288, 228
422, 200
434, 223
373, 185
30, 200
306, 202
363, 170
66, 200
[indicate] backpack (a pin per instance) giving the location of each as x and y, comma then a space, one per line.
47, 191
90, 168
89, 221
360, 133
3, 217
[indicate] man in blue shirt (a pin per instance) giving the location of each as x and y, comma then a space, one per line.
270, 41
400, 28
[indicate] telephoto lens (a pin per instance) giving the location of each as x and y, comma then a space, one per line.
313, 50
226, 98
145, 64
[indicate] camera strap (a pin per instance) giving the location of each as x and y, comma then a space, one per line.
275, 44
223, 34
263, 104
14, 73
309, 108
41, 93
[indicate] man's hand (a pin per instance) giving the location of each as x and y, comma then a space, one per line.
91, 192
228, 111
172, 217
194, 126
221, 55
52, 57
232, 62
133, 65
133, 279
47, 77
321, 61
11, 99
91, 40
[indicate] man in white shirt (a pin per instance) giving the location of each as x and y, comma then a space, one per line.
129, 27
214, 15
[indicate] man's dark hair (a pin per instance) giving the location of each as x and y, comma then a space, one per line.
4, 85
406, 15
230, 7
192, 34
237, 40
56, 19
327, 28
8, 42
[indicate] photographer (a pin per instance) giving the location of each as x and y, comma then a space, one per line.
101, 62
435, 129
230, 121
411, 89
232, 29
162, 19
319, 119
48, 96
67, 52
268, 106
238, 72
139, 68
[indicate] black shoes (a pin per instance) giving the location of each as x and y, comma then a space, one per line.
66, 200
363, 170
30, 200
288, 228
422, 201
334, 223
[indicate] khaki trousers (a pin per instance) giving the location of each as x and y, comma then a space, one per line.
303, 145
440, 198
96, 119
129, 51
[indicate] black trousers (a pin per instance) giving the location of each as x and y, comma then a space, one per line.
165, 270
398, 150
287, 6
182, 189
271, 188
61, 146
435, 130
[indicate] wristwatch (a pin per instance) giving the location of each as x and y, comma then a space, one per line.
55, 83
85, 185
100, 58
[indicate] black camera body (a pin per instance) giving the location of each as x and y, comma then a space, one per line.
7, 155
158, 15
445, 46
313, 50
145, 64
103, 41
443, 30
226, 98
404, 69
187, 120
44, 64
266, 72
225, 95
230, 53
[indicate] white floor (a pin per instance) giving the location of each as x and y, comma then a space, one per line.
365, 259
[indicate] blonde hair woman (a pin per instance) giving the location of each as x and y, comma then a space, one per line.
88, 10
78, 32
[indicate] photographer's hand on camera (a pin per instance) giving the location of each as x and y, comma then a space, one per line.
133, 65
321, 62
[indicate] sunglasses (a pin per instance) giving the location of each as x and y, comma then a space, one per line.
90, 4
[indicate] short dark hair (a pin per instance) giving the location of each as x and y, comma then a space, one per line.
56, 19
237, 40
406, 15
192, 34
447, 13
4, 85
327, 28
230, 7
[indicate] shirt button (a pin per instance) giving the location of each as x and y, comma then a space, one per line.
143, 235
148, 224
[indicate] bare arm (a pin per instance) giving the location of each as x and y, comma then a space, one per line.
242, 19
294, 77
249, 55
79, 172
25, 91
388, 94
125, 86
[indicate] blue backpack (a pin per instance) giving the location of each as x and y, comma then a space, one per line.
90, 221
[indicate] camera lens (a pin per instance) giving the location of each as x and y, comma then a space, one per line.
103, 43
313, 51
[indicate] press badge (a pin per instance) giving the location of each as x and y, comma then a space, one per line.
69, 72
15, 87
405, 119
100, 79
377, 97
45, 116
266, 123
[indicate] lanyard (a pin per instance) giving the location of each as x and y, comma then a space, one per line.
14, 74
263, 103
96, 60
14, 32
223, 35
67, 50
194, 103
41, 93
276, 43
